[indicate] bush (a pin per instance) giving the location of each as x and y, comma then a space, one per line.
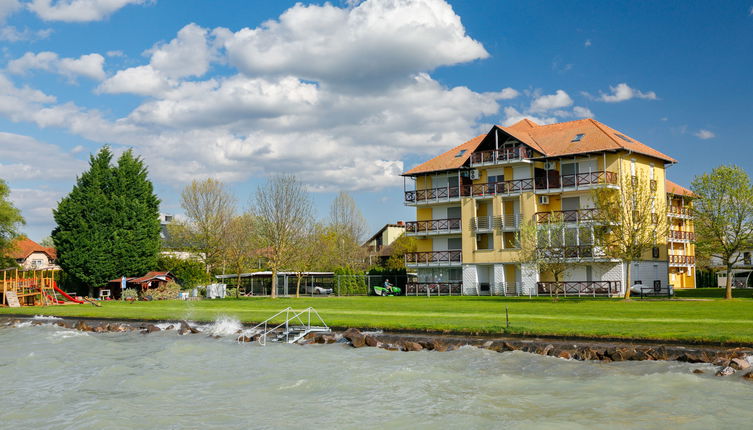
130, 294
168, 291
349, 282
189, 273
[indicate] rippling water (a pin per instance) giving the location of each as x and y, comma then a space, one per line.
53, 378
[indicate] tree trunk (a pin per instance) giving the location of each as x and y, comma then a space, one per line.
238, 285
628, 279
298, 287
273, 293
728, 292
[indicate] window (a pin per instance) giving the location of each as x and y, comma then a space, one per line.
454, 243
578, 137
622, 137
461, 153
651, 172
632, 167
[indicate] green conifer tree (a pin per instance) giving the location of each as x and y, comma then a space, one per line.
108, 226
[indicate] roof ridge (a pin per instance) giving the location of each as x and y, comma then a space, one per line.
609, 135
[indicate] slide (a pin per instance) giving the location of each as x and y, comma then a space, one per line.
64, 294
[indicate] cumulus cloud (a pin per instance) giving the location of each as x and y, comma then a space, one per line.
559, 99
189, 54
8, 7
623, 92
89, 65
141, 80
370, 45
78, 10
10, 33
512, 116
25, 158
704, 134
36, 207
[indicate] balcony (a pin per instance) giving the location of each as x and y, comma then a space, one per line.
679, 212
579, 215
434, 258
509, 222
681, 236
433, 227
511, 187
482, 224
580, 288
434, 288
681, 260
500, 156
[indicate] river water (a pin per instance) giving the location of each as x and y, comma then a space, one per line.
54, 378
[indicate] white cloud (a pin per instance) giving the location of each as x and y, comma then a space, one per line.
89, 65
142, 80
506, 94
559, 99
10, 33
24, 158
582, 112
36, 207
750, 12
7, 8
78, 10
115, 53
623, 92
187, 55
587, 43
370, 45
512, 116
704, 134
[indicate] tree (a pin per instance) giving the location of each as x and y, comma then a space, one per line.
550, 248
108, 225
723, 216
633, 220
10, 221
209, 208
401, 246
47, 242
239, 246
284, 212
349, 227
308, 253
189, 273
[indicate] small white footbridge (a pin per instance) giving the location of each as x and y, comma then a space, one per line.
296, 326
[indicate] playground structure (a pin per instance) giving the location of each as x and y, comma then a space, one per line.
32, 288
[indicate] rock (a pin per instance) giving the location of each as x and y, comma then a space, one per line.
82, 326
60, 324
547, 349
567, 355
749, 359
487, 344
694, 357
739, 364
748, 376
357, 340
698, 371
185, 328
350, 333
151, 328
171, 327
100, 329
726, 371
412, 346
36, 323
509, 347
244, 338
371, 341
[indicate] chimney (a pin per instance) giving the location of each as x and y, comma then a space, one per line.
401, 223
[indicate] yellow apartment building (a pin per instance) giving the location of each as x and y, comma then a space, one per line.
681, 236
471, 200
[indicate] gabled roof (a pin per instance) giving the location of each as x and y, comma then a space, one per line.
552, 140
148, 277
673, 188
23, 248
381, 230
448, 160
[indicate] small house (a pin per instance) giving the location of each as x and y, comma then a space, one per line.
142, 284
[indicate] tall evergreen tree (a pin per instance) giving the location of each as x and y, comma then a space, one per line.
108, 226
10, 220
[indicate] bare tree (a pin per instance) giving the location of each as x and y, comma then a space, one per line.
349, 227
551, 248
284, 213
209, 207
401, 246
634, 220
308, 254
723, 216
239, 246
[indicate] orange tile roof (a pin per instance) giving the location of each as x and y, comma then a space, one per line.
23, 248
449, 159
673, 188
553, 140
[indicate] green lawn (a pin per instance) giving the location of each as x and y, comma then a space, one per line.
714, 293
687, 320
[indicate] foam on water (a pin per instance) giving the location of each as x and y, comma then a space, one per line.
224, 326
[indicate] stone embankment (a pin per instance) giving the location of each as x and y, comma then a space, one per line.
728, 361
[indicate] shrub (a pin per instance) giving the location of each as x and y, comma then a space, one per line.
130, 294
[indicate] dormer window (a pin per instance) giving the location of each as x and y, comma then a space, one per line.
461, 153
578, 137
622, 137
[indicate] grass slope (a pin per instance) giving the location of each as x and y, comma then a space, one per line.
710, 321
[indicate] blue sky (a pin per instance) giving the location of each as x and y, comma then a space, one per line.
349, 94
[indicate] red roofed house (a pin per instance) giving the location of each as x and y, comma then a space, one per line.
471, 200
33, 256
140, 283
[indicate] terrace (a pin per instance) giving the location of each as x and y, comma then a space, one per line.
434, 258
578, 215
433, 227
500, 156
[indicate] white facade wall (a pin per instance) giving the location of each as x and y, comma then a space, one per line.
470, 280
649, 271
499, 279
528, 279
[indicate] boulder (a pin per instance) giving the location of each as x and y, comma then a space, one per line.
739, 364
694, 357
748, 376
244, 338
371, 341
726, 371
185, 328
357, 341
412, 346
547, 349
82, 326
487, 344
171, 327
566, 354
151, 328
350, 333
698, 371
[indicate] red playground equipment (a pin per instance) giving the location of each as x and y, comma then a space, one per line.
32, 288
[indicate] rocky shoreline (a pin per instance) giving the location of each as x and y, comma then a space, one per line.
728, 361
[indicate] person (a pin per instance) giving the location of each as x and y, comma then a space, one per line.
387, 285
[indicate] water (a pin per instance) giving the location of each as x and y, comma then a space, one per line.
53, 378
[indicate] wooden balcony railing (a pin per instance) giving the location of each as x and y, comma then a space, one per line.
434, 257
675, 210
500, 155
579, 215
433, 226
682, 259
434, 288
681, 235
580, 288
512, 186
